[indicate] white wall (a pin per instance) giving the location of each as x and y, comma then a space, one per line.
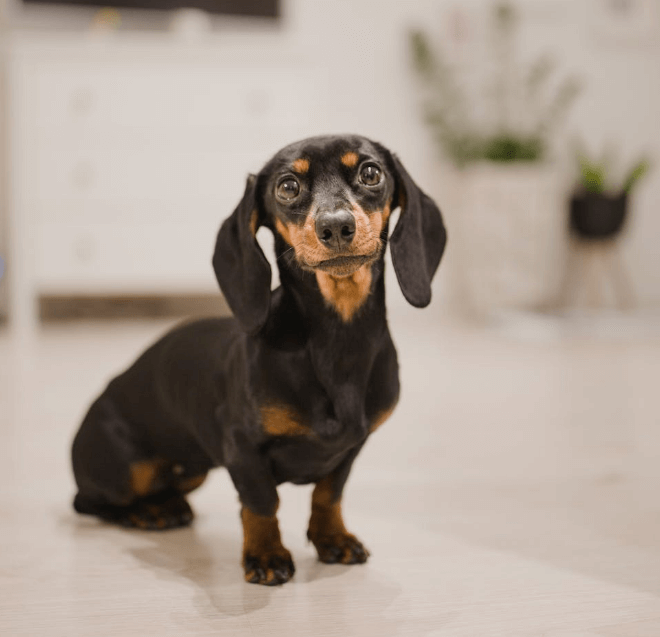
3, 173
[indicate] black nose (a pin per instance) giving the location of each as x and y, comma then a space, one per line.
335, 229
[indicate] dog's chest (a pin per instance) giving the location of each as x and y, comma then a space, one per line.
306, 439
307, 457
302, 397
316, 406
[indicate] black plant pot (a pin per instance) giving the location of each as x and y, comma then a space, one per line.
598, 216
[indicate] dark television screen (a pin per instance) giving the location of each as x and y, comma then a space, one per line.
266, 8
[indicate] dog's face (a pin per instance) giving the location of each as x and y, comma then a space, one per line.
329, 199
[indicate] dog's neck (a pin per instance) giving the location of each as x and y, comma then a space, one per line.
337, 303
344, 315
330, 315
347, 294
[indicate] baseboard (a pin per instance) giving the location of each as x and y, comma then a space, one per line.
72, 308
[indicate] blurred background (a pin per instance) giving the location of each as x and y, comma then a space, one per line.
519, 474
128, 133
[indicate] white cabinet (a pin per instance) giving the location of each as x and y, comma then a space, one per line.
127, 152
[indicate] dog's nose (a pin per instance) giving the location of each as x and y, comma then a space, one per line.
335, 229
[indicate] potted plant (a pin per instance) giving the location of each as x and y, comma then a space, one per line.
598, 210
509, 231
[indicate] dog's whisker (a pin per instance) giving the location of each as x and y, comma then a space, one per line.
284, 253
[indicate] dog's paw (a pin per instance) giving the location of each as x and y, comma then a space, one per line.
342, 548
269, 569
156, 514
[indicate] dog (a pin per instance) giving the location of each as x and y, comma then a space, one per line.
291, 387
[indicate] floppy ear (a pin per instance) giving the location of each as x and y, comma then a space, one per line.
418, 240
239, 264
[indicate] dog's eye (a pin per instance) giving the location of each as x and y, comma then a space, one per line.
370, 175
288, 189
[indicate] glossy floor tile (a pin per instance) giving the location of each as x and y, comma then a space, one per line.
514, 493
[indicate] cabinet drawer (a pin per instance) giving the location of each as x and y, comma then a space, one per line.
136, 184
134, 258
109, 96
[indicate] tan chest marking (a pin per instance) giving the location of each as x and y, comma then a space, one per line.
282, 421
345, 294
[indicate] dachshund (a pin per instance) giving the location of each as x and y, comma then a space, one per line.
290, 387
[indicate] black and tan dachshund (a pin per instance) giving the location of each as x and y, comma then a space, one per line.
289, 389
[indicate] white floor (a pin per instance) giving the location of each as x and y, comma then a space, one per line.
515, 492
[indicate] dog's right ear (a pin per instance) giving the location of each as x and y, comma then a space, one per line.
240, 266
418, 241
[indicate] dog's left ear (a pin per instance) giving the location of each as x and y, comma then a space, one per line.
240, 266
418, 240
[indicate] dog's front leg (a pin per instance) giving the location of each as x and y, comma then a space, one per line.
265, 559
326, 530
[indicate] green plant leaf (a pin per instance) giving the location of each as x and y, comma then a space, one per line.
509, 148
447, 113
592, 174
638, 171
422, 55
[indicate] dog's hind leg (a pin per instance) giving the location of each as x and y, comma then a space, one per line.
120, 480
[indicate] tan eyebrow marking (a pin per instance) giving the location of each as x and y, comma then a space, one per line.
301, 165
349, 159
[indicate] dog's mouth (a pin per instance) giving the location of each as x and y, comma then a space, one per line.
346, 265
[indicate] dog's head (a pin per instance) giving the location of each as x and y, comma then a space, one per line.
329, 200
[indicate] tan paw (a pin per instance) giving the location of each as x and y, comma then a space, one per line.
342, 548
269, 569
